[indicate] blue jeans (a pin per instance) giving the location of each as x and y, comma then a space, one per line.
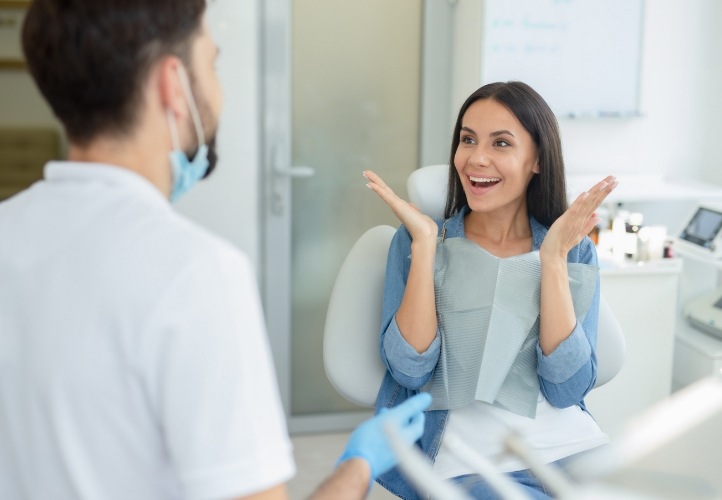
530, 484
475, 485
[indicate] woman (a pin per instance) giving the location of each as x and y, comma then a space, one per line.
506, 207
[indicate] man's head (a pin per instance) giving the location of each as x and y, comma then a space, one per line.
90, 58
111, 70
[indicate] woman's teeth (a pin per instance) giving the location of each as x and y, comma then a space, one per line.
483, 181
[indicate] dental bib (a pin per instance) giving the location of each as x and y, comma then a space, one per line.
488, 313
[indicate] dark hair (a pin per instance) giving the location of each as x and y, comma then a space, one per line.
546, 194
90, 57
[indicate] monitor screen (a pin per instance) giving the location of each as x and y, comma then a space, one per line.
703, 227
718, 304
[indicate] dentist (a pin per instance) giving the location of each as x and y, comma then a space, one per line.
134, 362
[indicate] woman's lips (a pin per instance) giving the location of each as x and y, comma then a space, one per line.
480, 185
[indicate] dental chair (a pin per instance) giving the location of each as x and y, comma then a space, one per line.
353, 321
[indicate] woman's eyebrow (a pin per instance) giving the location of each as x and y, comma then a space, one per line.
492, 134
501, 132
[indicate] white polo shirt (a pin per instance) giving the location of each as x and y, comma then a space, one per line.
134, 362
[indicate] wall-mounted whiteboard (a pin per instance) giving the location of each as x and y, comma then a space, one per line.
582, 56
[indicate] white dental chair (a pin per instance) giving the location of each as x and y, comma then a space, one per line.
351, 337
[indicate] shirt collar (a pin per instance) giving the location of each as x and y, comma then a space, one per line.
123, 178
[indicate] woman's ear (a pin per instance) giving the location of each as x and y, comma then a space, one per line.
535, 168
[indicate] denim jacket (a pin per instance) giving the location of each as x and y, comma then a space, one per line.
565, 375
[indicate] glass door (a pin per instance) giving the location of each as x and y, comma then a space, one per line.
341, 95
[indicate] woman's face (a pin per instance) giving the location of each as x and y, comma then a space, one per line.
496, 158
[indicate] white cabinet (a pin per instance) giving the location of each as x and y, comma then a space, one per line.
644, 300
696, 354
662, 351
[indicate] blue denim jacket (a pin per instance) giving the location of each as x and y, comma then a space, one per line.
565, 375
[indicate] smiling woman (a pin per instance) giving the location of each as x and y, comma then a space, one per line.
495, 313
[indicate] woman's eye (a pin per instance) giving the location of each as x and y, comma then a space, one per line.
501, 143
468, 140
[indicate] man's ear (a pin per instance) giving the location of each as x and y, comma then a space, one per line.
169, 86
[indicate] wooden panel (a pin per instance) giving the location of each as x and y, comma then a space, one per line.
23, 153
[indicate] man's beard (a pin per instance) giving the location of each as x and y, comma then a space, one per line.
212, 154
205, 113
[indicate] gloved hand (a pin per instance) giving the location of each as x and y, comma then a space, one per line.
369, 440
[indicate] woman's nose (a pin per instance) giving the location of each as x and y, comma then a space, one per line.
480, 157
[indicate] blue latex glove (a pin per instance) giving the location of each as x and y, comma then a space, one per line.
369, 440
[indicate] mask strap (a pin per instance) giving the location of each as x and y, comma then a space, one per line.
173, 129
195, 116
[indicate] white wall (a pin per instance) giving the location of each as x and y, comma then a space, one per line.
228, 202
681, 81
711, 84
670, 137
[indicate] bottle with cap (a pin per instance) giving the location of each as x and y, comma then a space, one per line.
631, 229
619, 235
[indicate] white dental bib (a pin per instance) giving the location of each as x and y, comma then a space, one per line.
488, 313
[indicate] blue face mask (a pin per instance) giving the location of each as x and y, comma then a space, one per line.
186, 172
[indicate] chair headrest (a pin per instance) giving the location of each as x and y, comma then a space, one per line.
353, 321
427, 189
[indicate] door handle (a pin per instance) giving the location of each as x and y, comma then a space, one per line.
281, 170
294, 171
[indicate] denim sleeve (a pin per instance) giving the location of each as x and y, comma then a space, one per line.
568, 373
408, 367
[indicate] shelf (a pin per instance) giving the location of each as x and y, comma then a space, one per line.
628, 267
646, 188
683, 253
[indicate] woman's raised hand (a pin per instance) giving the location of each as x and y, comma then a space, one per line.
578, 220
419, 225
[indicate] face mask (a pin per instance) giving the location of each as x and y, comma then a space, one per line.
185, 172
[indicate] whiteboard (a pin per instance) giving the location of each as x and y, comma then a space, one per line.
582, 56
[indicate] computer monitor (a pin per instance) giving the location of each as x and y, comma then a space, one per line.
703, 232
